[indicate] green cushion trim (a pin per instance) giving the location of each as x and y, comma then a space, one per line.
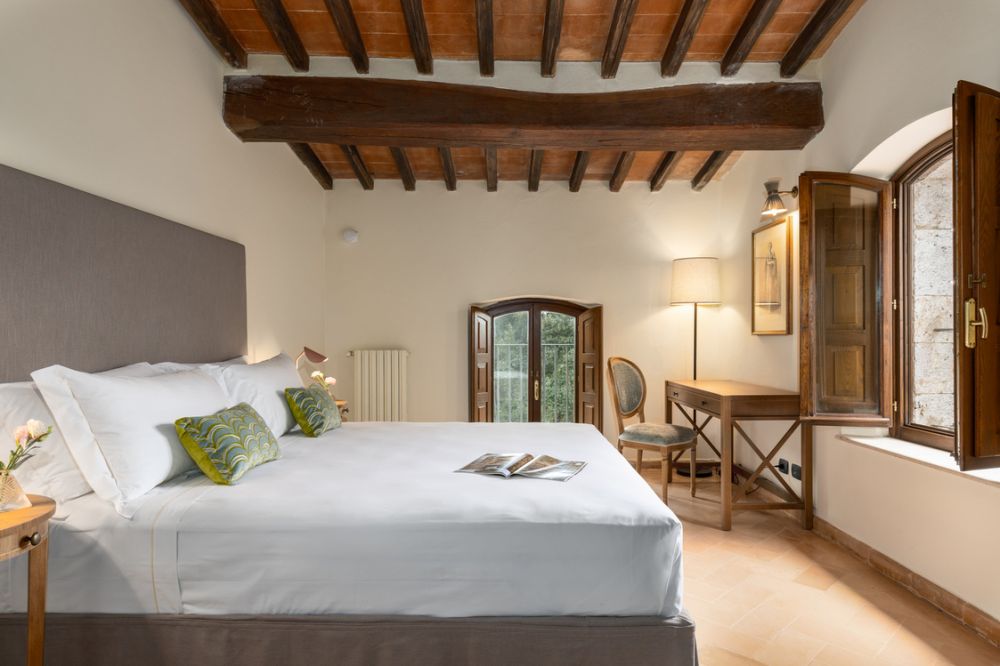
228, 444
314, 410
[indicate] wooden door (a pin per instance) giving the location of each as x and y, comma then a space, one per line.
588, 367
480, 365
977, 277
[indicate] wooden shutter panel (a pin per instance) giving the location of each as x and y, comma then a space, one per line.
480, 365
977, 279
588, 367
845, 258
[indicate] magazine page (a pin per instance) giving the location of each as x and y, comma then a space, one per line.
553, 469
502, 464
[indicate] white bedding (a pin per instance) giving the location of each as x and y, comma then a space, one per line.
371, 518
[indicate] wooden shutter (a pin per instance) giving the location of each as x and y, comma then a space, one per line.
977, 279
588, 367
846, 337
480, 365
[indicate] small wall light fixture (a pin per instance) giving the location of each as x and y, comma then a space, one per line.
310, 355
774, 205
350, 236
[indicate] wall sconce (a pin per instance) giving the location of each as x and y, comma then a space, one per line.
774, 205
310, 355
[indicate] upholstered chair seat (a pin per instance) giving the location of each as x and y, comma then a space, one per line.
656, 433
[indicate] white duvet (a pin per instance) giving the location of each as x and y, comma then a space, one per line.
372, 519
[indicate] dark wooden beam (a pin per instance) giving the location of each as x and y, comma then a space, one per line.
448, 167
680, 39
281, 28
579, 170
753, 25
621, 21
663, 169
355, 111
416, 27
535, 170
313, 163
491, 168
621, 170
405, 170
551, 35
484, 36
819, 25
358, 167
347, 27
709, 169
208, 19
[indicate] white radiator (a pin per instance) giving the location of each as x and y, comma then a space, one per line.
379, 385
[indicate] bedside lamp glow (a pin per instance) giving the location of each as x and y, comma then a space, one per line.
695, 280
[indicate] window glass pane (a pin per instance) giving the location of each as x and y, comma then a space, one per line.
558, 368
931, 267
510, 367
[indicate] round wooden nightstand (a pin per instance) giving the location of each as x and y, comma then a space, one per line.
27, 531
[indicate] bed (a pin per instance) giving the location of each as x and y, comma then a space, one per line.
361, 546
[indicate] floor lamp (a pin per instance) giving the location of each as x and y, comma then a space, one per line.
695, 280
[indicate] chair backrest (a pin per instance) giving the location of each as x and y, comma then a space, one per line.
628, 390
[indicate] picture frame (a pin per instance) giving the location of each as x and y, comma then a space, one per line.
771, 278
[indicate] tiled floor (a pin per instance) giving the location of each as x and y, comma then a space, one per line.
771, 593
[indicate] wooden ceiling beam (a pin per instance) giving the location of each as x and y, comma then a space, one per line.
416, 28
535, 169
315, 165
812, 35
405, 170
621, 170
621, 22
358, 166
491, 168
347, 27
753, 25
378, 112
281, 28
666, 165
579, 170
551, 35
448, 168
209, 20
680, 39
484, 36
709, 169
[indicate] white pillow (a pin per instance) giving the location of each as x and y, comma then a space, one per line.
172, 366
51, 470
130, 444
263, 385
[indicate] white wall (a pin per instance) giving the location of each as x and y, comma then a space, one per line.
123, 98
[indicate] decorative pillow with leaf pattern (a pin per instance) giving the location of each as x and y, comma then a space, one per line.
229, 443
314, 410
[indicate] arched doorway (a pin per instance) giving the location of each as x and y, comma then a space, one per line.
535, 359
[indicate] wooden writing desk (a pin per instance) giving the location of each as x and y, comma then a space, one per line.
733, 402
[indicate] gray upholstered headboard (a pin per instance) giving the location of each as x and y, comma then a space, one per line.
92, 284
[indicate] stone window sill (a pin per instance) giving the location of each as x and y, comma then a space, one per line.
923, 455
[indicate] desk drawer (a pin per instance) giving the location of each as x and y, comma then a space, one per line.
694, 399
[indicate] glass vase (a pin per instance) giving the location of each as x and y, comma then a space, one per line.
11, 494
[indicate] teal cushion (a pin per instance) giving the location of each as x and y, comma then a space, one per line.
628, 386
652, 433
314, 410
228, 444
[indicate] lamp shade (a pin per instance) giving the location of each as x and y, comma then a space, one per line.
312, 355
695, 280
773, 205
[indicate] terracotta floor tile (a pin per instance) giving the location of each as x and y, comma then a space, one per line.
819, 576
790, 648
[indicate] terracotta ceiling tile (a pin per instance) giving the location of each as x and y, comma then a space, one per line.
512, 163
256, 41
243, 19
380, 22
379, 161
558, 164
602, 164
519, 7
470, 163
451, 24
458, 47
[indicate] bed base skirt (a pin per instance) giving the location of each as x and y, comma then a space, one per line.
346, 640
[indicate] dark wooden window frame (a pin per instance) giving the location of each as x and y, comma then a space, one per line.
915, 167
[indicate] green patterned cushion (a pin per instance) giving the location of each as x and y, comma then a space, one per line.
228, 444
314, 410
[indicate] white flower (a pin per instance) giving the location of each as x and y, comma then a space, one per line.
36, 428
21, 434
317, 375
330, 381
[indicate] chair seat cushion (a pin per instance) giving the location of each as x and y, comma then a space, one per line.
657, 434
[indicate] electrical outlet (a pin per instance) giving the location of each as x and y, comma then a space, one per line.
783, 466
796, 472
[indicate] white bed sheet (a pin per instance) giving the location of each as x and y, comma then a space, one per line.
371, 518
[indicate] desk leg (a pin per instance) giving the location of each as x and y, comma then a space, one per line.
726, 485
807, 476
38, 560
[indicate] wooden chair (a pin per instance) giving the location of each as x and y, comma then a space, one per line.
628, 392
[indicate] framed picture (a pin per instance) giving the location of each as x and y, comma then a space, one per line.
771, 303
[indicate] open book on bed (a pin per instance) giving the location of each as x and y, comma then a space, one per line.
524, 464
